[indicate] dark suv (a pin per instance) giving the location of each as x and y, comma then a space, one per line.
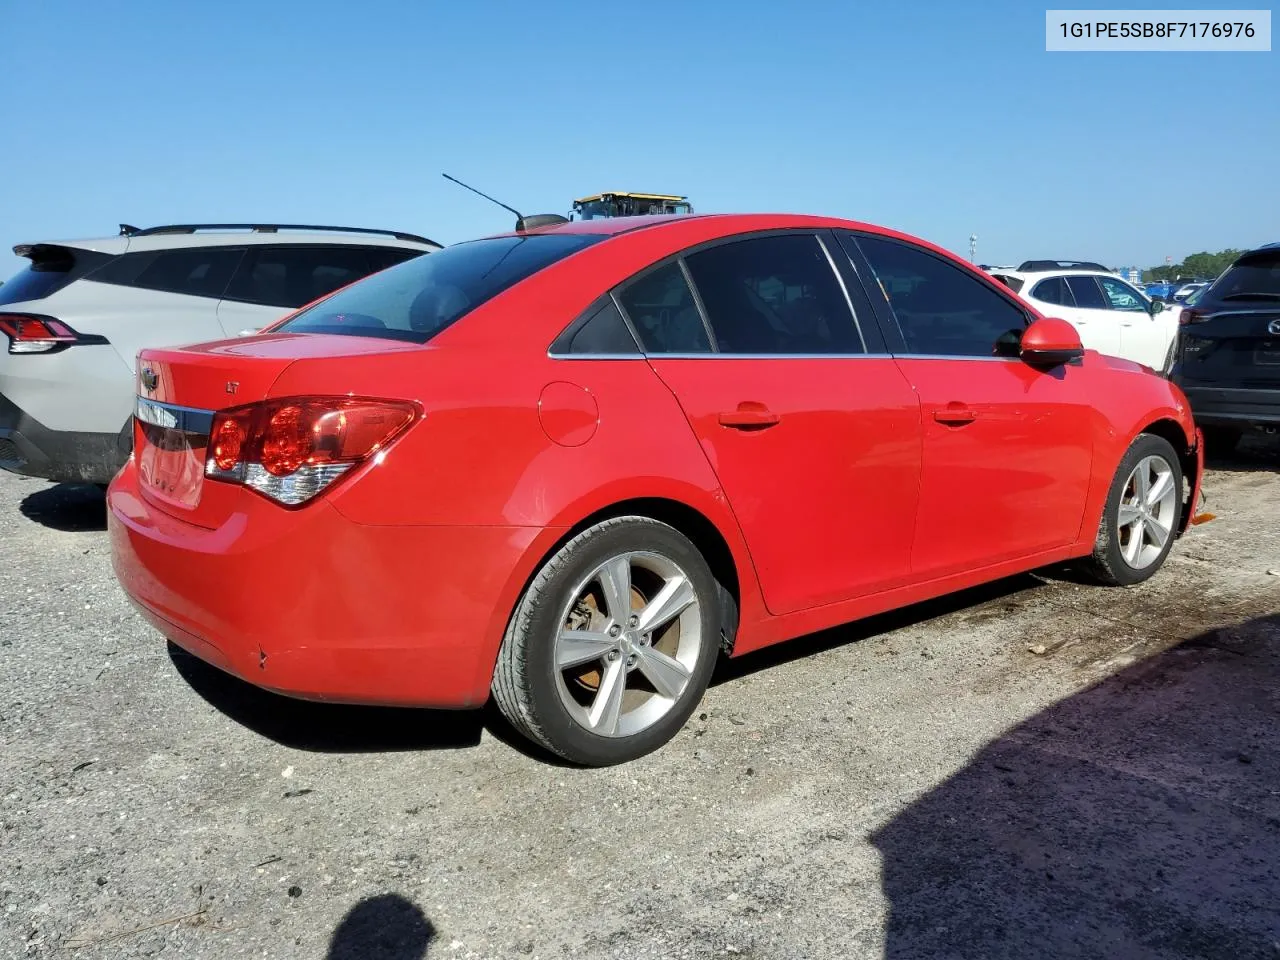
1227, 356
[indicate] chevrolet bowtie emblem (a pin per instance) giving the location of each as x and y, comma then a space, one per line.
149, 379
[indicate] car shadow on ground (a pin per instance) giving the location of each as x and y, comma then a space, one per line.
1257, 451
68, 507
387, 927
1137, 819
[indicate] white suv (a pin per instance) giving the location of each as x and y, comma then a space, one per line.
1112, 316
77, 315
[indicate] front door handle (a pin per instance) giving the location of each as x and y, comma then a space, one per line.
749, 416
955, 413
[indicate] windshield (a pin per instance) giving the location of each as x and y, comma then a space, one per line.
595, 209
1252, 276
417, 299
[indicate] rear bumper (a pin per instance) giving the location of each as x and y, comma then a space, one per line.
30, 448
1226, 406
310, 604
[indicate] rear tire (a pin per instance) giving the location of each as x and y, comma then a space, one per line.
1142, 514
613, 643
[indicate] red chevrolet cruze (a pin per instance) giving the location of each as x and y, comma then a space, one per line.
569, 467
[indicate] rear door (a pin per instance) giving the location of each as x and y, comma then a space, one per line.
1007, 448
274, 280
774, 356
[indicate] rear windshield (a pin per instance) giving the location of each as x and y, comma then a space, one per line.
1253, 277
417, 299
51, 269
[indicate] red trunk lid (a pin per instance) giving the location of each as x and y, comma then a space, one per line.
179, 390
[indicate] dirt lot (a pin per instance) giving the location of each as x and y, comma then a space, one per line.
1035, 769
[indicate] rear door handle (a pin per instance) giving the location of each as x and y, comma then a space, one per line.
955, 413
749, 416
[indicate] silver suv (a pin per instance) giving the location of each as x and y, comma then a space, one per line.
77, 315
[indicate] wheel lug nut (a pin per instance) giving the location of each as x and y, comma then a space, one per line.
615, 630
613, 655
633, 620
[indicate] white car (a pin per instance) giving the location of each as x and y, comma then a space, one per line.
75, 318
1112, 316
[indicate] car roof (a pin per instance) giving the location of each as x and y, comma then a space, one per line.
1035, 274
182, 237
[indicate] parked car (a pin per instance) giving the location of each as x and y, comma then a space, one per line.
76, 316
1187, 289
1112, 316
571, 466
1227, 358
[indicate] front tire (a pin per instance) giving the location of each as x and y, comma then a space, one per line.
1142, 515
613, 643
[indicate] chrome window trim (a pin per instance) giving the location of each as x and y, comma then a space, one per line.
857, 324
171, 416
777, 356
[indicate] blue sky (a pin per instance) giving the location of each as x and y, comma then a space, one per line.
939, 119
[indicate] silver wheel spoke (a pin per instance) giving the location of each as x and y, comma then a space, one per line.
607, 707
1159, 533
668, 676
676, 594
1128, 514
1142, 481
576, 647
615, 581
1136, 538
1162, 486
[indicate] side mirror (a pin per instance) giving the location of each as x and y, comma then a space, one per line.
1157, 306
1050, 343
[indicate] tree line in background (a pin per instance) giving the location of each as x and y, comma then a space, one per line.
1204, 265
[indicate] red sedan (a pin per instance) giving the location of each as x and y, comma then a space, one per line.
570, 467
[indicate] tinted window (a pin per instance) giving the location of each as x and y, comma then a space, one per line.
663, 313
1053, 290
382, 257
195, 271
1013, 283
1087, 293
1121, 296
292, 276
1255, 277
51, 268
774, 295
941, 309
420, 297
603, 332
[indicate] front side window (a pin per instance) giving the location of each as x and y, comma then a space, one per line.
1121, 296
663, 312
941, 309
420, 297
775, 294
1087, 293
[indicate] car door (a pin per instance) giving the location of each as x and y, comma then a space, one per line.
1091, 315
273, 280
813, 432
1006, 448
1145, 337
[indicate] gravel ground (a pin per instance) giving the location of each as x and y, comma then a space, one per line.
1034, 769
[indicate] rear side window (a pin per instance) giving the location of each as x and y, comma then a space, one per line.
417, 299
1255, 277
771, 295
293, 276
1053, 290
1087, 293
604, 332
663, 312
941, 309
51, 268
194, 271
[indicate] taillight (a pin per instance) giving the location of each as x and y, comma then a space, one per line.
292, 449
30, 334
1188, 315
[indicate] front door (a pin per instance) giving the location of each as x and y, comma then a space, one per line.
1007, 449
815, 442
1144, 336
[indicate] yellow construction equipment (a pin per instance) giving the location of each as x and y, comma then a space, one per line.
618, 204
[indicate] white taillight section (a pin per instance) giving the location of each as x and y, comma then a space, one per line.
299, 486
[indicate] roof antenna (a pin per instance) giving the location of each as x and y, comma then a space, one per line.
523, 223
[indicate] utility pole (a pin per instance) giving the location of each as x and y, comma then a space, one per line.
973, 248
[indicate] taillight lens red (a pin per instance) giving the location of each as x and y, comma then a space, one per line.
28, 334
292, 449
1188, 315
